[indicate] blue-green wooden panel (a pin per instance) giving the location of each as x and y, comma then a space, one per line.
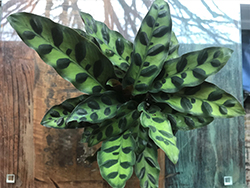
210, 153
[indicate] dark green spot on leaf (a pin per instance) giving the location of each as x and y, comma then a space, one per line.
109, 131
119, 46
36, 25
186, 104
181, 65
166, 134
112, 175
137, 59
177, 81
106, 100
28, 35
44, 49
80, 51
206, 108
215, 63
107, 111
93, 105
199, 73
214, 96
158, 48
81, 77
57, 36
94, 116
143, 38
149, 71
111, 149
98, 68
141, 87
202, 57
110, 163
150, 21
158, 120
223, 110
127, 150
63, 63
161, 31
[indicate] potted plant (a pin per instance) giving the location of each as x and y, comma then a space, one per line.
136, 96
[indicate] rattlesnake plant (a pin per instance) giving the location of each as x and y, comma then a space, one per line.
135, 95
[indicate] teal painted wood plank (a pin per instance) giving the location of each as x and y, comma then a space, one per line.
210, 153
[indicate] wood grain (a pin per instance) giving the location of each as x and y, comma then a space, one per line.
217, 150
16, 109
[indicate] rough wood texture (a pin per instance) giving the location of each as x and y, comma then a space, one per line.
247, 142
16, 109
210, 153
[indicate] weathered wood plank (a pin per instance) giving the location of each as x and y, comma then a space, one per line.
16, 114
210, 153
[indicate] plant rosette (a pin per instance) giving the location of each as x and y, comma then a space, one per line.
135, 95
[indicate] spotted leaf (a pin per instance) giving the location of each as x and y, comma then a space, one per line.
116, 159
174, 47
73, 56
57, 115
85, 35
112, 43
160, 131
205, 100
140, 134
125, 118
184, 121
96, 108
147, 168
88, 131
151, 47
190, 69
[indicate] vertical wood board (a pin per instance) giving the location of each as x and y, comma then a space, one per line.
217, 150
16, 114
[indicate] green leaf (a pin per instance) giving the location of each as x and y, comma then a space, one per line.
112, 43
151, 47
184, 121
126, 117
74, 57
57, 115
116, 159
96, 108
160, 131
140, 134
174, 47
88, 131
85, 35
205, 100
190, 69
147, 168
